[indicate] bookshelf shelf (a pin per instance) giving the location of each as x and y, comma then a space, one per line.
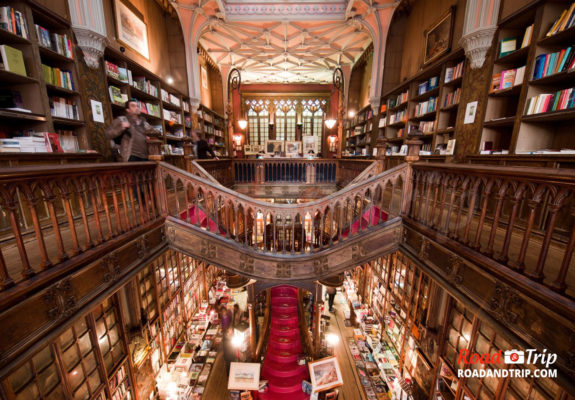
450, 107
398, 107
170, 106
512, 91
67, 121
62, 90
565, 36
454, 82
54, 56
426, 95
116, 82
10, 38
426, 116
15, 115
500, 122
561, 115
565, 77
141, 95
445, 131
396, 124
513, 58
11, 77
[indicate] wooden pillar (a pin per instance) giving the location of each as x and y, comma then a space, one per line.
253, 343
317, 319
155, 149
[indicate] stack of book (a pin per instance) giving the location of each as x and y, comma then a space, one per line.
428, 85
14, 21
397, 116
451, 98
452, 73
507, 79
547, 102
141, 83
175, 100
61, 44
427, 126
172, 116
399, 99
57, 77
61, 107
554, 63
565, 21
425, 107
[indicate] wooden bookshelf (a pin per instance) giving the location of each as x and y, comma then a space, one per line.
49, 90
163, 107
213, 128
359, 132
431, 106
546, 130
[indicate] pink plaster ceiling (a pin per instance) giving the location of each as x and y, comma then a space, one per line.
285, 41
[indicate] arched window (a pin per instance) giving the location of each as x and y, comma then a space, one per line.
313, 117
258, 121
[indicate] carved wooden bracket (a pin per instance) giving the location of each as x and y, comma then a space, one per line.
503, 303
61, 300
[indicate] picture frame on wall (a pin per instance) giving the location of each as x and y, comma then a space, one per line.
438, 37
274, 147
325, 374
309, 144
131, 29
293, 148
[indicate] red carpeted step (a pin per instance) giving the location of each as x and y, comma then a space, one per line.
283, 396
286, 385
284, 346
282, 370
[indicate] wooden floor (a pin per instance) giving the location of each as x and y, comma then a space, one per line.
216, 388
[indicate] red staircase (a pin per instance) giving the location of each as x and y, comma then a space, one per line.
372, 216
280, 365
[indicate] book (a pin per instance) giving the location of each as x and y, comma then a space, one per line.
495, 82
519, 76
507, 46
507, 78
527, 36
13, 60
52, 142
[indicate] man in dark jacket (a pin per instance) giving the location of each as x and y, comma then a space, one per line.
133, 131
201, 147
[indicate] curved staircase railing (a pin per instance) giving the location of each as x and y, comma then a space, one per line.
271, 228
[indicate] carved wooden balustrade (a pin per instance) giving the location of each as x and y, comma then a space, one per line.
53, 215
284, 228
286, 170
521, 218
348, 170
221, 170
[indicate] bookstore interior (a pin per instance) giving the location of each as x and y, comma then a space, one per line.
358, 199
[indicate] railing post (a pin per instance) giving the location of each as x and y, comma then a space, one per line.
381, 147
161, 198
154, 149
259, 172
188, 154
413, 147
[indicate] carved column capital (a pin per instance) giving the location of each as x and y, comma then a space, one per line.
476, 44
92, 44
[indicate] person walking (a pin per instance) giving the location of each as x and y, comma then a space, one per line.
202, 149
131, 131
331, 291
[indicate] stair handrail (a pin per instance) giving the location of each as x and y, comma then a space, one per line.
304, 331
265, 327
367, 173
198, 170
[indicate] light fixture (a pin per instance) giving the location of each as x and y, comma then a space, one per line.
170, 80
243, 124
332, 339
332, 143
351, 114
330, 123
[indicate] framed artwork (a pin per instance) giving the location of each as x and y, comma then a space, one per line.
438, 37
309, 143
131, 28
274, 146
293, 148
244, 376
204, 73
325, 374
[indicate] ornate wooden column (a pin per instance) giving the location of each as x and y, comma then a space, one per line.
252, 318
318, 303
